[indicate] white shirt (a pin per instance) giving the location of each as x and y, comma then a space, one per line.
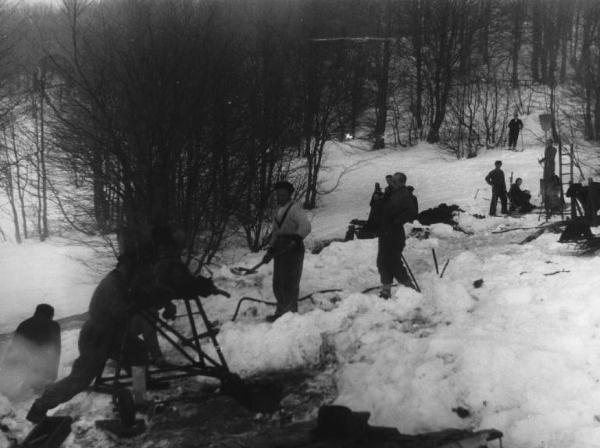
295, 223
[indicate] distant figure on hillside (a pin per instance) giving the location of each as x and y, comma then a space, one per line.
514, 127
496, 179
31, 361
519, 199
290, 227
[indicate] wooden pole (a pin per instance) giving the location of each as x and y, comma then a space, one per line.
573, 200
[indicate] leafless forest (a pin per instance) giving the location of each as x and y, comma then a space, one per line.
130, 113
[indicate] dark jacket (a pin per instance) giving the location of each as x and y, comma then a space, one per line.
518, 196
496, 179
396, 209
35, 348
515, 125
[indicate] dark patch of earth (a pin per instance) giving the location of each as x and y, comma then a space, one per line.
195, 418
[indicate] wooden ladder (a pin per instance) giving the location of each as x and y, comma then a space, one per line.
565, 174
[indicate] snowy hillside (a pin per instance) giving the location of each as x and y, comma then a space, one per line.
520, 353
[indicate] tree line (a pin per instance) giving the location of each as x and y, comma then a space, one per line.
124, 114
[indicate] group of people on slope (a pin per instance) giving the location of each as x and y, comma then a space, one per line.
520, 199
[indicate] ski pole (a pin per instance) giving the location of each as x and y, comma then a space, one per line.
414, 280
444, 269
437, 271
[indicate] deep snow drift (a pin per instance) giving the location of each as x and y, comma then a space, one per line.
520, 353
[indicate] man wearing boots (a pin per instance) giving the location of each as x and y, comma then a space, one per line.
496, 179
514, 127
139, 282
397, 209
290, 227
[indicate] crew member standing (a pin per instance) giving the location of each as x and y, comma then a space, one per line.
290, 227
496, 179
398, 208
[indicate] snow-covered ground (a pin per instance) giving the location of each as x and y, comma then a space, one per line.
521, 353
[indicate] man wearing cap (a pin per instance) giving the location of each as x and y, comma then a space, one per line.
496, 179
286, 248
397, 209
514, 127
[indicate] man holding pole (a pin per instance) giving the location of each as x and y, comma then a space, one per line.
514, 127
397, 208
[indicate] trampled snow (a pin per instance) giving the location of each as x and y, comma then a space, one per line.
520, 352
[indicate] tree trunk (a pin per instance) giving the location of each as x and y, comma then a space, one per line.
518, 12
382, 97
536, 36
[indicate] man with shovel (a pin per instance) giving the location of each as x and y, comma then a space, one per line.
290, 227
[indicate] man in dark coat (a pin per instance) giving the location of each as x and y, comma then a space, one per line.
290, 227
31, 361
397, 209
519, 199
133, 285
514, 127
496, 179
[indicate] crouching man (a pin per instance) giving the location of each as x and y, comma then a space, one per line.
31, 361
290, 227
132, 286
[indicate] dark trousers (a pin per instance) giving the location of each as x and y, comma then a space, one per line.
512, 138
287, 271
498, 193
95, 347
389, 261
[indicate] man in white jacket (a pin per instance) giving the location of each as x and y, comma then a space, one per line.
290, 227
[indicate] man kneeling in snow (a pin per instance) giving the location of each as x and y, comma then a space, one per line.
31, 361
397, 208
519, 199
